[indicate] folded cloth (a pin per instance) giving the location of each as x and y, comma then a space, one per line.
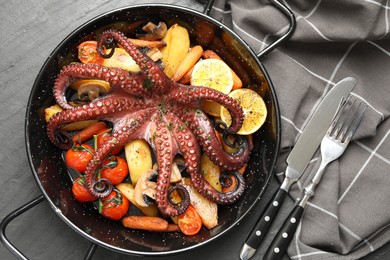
349, 216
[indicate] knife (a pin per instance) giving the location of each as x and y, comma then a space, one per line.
298, 159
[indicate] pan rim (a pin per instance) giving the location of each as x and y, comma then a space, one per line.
91, 22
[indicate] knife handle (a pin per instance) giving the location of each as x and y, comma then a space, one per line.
284, 236
259, 231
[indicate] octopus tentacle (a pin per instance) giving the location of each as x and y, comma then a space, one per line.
98, 109
118, 139
159, 81
204, 131
190, 94
190, 150
118, 78
166, 149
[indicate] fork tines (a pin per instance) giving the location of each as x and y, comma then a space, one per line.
347, 119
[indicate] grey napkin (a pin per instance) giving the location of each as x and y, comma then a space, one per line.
350, 214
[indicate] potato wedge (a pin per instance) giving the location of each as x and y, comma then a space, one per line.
127, 190
207, 210
178, 44
76, 126
211, 172
139, 159
51, 111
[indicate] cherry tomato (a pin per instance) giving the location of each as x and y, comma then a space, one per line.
114, 206
115, 169
80, 192
102, 136
78, 156
88, 54
190, 222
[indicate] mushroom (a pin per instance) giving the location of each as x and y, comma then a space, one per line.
145, 189
177, 168
88, 90
154, 53
153, 32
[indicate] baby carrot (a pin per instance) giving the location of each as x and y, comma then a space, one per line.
188, 62
145, 223
88, 132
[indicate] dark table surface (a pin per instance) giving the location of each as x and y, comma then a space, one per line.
30, 30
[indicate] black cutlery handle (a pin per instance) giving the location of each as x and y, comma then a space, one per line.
259, 231
284, 236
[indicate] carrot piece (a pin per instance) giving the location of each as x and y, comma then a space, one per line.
188, 62
172, 228
145, 223
186, 79
88, 132
144, 43
209, 54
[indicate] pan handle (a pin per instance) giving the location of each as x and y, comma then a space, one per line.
284, 9
292, 24
4, 223
11, 217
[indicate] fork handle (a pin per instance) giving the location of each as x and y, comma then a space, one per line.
285, 234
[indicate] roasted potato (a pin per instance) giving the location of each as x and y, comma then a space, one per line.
178, 44
139, 159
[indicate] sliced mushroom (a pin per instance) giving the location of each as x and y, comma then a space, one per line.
178, 169
153, 32
154, 53
145, 189
91, 89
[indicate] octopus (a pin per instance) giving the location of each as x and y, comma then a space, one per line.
148, 105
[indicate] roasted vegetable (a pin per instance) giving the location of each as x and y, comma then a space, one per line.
207, 210
145, 190
139, 159
127, 190
88, 132
188, 62
211, 172
178, 44
145, 223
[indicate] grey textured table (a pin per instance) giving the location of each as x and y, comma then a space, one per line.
30, 30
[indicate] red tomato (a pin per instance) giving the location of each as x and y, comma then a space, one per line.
114, 206
102, 136
190, 222
88, 54
78, 156
115, 169
80, 192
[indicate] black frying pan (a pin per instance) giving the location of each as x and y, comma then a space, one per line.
51, 174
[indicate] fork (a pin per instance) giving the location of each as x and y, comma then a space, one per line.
333, 145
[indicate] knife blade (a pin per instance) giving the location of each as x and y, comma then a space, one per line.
298, 159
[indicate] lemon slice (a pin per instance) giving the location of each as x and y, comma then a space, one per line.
255, 111
215, 74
